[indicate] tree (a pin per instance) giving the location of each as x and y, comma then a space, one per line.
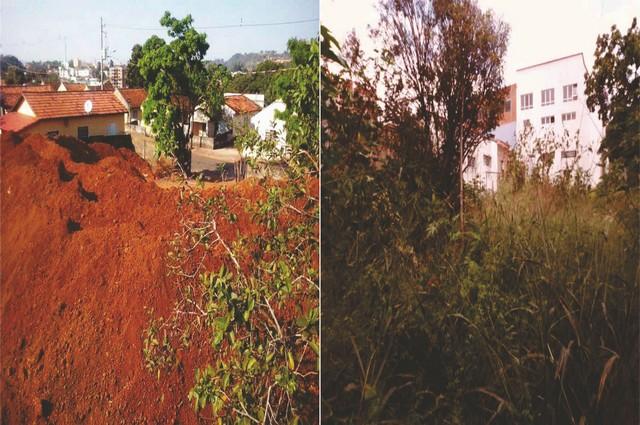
11, 70
133, 77
176, 81
613, 88
217, 81
299, 91
442, 65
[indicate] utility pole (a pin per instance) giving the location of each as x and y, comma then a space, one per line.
101, 54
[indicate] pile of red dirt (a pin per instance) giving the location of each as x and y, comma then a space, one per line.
84, 235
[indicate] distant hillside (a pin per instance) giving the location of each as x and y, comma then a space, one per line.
248, 61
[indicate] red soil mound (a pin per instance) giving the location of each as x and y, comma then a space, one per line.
84, 233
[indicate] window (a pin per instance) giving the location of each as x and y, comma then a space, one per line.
52, 134
507, 105
526, 123
472, 162
547, 97
548, 120
526, 101
570, 92
487, 160
569, 116
112, 129
569, 154
83, 133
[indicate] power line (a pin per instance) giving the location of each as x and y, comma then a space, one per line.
210, 27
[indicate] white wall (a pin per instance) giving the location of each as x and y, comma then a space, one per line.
586, 128
478, 171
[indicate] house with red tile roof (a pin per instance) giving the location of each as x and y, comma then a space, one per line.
132, 99
9, 95
79, 114
239, 109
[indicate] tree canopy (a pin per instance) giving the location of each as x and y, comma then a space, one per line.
441, 66
133, 77
177, 82
613, 89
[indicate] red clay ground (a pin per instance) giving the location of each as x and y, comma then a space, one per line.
84, 234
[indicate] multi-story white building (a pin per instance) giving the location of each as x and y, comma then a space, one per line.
116, 75
554, 123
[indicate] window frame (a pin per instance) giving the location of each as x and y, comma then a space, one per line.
550, 97
570, 92
550, 118
526, 105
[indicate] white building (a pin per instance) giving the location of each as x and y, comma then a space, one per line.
487, 164
553, 118
270, 127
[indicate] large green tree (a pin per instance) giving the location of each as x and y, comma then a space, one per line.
613, 89
177, 82
133, 77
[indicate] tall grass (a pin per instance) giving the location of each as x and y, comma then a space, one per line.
529, 317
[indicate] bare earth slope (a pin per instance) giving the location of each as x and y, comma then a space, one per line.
84, 232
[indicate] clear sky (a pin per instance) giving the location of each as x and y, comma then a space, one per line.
540, 30
36, 29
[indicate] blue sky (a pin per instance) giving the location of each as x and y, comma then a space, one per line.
35, 29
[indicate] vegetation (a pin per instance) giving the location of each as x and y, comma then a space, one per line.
613, 88
177, 82
443, 60
247, 283
133, 77
529, 316
11, 70
262, 80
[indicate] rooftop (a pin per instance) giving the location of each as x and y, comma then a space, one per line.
134, 97
551, 61
73, 86
241, 104
13, 121
71, 104
10, 95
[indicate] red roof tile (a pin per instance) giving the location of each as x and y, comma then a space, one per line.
71, 104
14, 121
10, 95
74, 86
134, 97
241, 104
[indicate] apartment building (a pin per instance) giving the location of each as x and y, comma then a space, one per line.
116, 75
553, 122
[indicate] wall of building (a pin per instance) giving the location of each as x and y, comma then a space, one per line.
485, 165
98, 125
586, 129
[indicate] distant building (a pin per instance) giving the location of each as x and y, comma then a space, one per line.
116, 75
552, 107
80, 114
